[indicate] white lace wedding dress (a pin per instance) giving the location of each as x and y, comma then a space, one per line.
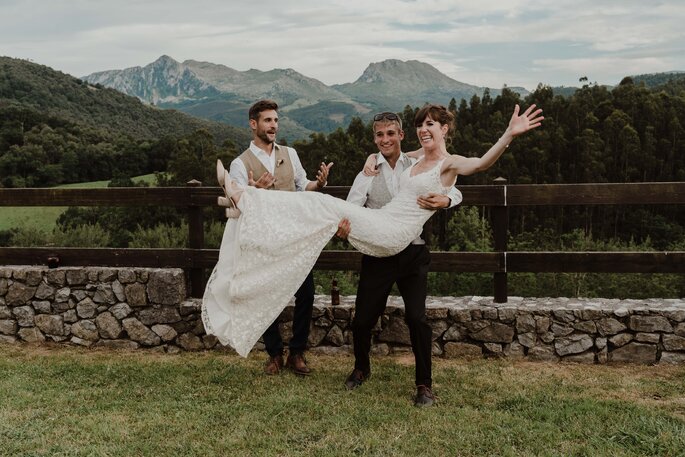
268, 251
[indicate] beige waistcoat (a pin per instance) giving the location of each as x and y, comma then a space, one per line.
283, 172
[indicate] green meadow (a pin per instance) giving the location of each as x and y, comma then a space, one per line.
44, 218
76, 402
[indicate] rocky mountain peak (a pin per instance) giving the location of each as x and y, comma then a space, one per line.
412, 71
167, 67
380, 71
164, 80
164, 61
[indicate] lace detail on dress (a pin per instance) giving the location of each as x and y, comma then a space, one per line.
268, 251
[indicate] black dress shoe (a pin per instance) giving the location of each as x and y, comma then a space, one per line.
424, 396
356, 379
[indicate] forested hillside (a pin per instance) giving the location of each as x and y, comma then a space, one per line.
626, 134
55, 129
653, 80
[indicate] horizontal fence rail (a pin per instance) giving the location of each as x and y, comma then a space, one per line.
661, 193
486, 262
180, 196
664, 193
441, 261
499, 196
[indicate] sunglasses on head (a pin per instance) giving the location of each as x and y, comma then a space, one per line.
388, 116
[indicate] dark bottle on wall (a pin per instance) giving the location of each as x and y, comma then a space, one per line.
335, 293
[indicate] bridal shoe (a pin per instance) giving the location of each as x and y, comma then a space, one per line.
232, 210
220, 172
232, 213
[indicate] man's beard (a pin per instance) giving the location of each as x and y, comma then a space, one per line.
265, 138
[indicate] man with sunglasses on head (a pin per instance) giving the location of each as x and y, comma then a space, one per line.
408, 269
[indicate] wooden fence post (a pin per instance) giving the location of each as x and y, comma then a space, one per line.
196, 240
500, 229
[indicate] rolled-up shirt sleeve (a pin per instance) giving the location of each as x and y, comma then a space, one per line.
455, 197
238, 172
359, 191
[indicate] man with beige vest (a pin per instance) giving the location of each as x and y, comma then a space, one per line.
267, 165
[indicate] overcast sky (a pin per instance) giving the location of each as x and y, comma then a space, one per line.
487, 43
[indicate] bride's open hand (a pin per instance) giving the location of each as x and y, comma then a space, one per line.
529, 120
371, 166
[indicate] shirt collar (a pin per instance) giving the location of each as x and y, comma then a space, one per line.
257, 150
403, 160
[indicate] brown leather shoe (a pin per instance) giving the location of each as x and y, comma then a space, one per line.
424, 396
274, 365
298, 364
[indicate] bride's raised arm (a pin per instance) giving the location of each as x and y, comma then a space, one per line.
518, 124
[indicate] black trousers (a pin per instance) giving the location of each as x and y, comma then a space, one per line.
409, 270
302, 318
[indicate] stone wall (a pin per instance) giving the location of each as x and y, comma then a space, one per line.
148, 308
121, 308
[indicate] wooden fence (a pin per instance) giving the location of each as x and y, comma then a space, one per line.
498, 196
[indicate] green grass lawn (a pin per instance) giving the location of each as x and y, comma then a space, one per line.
76, 402
44, 218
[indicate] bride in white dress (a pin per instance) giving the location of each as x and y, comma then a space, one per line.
273, 243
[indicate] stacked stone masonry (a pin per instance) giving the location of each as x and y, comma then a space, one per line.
148, 308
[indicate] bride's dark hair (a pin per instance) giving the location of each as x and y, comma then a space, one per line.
439, 113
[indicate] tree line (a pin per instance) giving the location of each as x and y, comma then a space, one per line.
626, 134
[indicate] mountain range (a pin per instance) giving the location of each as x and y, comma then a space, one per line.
68, 100
306, 105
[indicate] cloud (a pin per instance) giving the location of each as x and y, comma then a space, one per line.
487, 42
